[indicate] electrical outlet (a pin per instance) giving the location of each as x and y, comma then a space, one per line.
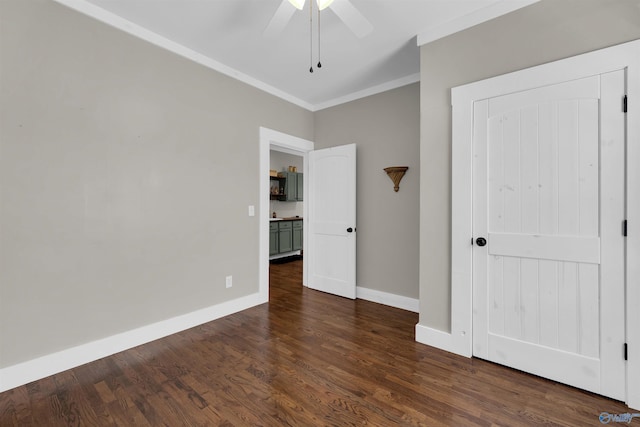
229, 281
252, 210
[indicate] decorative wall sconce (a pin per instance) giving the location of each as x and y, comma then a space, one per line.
396, 173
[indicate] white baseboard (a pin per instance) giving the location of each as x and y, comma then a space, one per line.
439, 339
284, 255
35, 369
392, 300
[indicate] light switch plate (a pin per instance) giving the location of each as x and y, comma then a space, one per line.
252, 210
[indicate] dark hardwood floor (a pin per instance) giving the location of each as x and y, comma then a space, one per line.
304, 359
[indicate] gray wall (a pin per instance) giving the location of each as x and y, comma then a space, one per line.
540, 33
125, 176
385, 128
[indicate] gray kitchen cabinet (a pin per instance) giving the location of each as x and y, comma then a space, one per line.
296, 226
293, 186
285, 236
273, 238
300, 187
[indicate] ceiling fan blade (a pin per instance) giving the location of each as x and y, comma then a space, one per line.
352, 18
280, 19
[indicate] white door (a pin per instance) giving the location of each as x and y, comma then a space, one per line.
548, 197
332, 220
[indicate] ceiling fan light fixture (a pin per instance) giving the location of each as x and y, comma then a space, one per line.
299, 4
323, 4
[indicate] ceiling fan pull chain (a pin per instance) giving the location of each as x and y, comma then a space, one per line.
319, 64
311, 36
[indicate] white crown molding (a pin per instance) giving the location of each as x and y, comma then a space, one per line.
500, 8
479, 16
136, 30
50, 364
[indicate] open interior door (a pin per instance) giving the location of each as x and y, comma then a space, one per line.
332, 221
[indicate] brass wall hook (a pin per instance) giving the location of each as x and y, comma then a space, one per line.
396, 173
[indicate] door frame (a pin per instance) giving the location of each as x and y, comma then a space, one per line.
270, 139
623, 56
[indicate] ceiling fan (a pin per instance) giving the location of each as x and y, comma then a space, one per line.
346, 11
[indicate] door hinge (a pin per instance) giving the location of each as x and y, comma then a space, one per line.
624, 228
624, 104
626, 354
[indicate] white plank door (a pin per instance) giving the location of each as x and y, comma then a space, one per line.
548, 197
332, 220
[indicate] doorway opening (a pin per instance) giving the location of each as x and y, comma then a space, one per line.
287, 151
329, 212
286, 206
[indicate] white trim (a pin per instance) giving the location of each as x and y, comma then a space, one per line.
623, 56
136, 30
633, 234
284, 255
35, 369
392, 300
573, 68
472, 19
436, 338
394, 84
271, 139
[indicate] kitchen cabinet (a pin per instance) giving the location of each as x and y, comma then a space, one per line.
293, 186
296, 227
300, 187
285, 236
273, 238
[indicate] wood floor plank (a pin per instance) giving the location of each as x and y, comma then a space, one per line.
306, 358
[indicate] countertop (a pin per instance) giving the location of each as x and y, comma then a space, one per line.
291, 218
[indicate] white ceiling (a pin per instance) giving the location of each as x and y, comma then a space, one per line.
227, 35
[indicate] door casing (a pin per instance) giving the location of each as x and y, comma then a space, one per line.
271, 139
625, 56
